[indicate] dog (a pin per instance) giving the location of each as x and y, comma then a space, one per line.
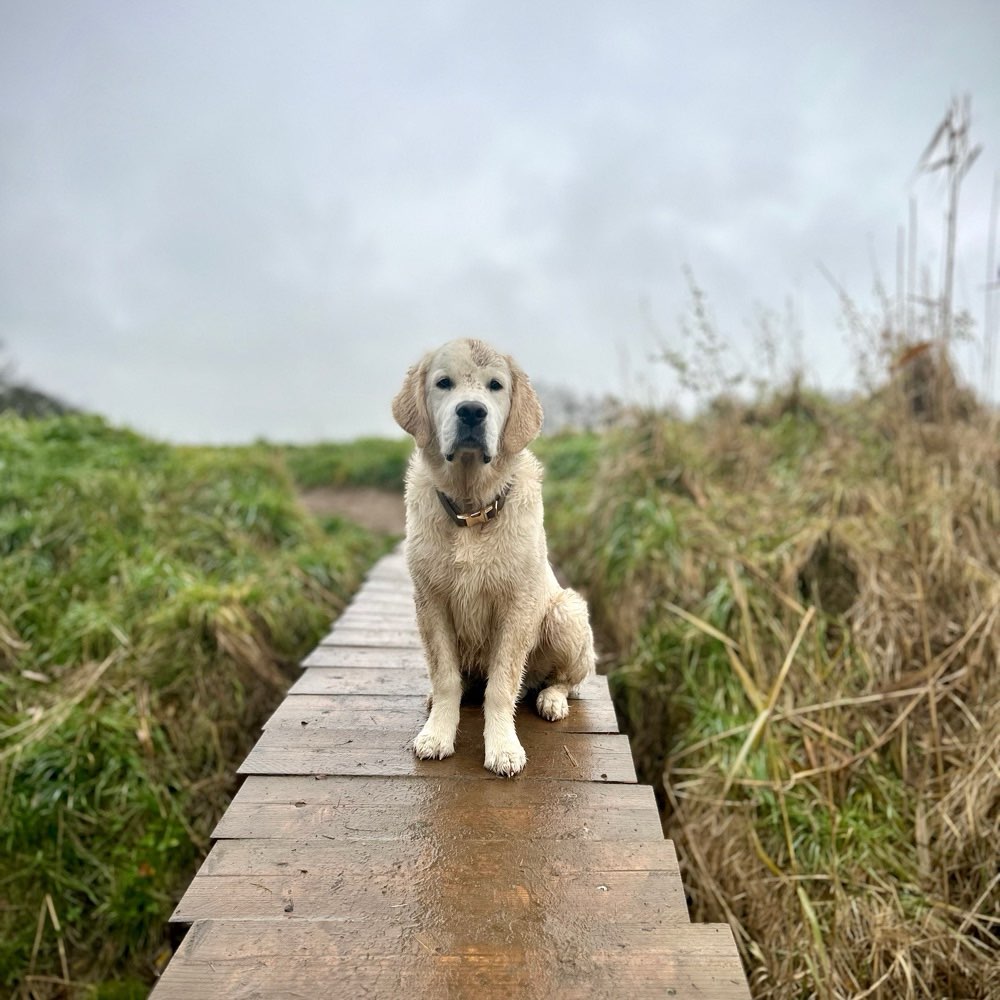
488, 606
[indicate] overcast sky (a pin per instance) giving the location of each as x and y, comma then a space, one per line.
227, 220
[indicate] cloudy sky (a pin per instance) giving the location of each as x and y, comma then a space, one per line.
231, 219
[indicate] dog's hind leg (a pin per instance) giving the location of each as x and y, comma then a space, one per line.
567, 645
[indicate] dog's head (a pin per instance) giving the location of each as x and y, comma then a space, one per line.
469, 401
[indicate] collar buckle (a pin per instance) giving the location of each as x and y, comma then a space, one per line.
479, 516
483, 516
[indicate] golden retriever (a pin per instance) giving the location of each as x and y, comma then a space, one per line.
488, 604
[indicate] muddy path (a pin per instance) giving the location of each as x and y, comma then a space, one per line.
377, 510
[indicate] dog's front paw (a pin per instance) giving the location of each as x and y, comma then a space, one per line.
552, 705
433, 745
506, 759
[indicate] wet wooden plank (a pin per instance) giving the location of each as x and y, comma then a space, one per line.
363, 619
399, 576
527, 958
387, 601
392, 567
383, 677
551, 755
374, 638
409, 712
560, 859
393, 880
388, 590
372, 598
358, 680
389, 657
346, 808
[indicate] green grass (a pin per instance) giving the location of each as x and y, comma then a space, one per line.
376, 462
155, 601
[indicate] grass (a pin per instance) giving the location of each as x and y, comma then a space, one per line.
155, 601
376, 462
802, 603
804, 607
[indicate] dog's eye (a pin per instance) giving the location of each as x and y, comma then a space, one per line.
495, 385
444, 383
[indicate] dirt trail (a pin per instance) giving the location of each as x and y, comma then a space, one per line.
378, 510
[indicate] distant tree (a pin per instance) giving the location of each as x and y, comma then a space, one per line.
24, 399
568, 409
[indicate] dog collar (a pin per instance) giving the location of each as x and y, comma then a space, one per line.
482, 516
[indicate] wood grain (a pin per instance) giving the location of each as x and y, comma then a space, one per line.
408, 713
566, 756
392, 880
359, 680
375, 637
403, 679
356, 618
343, 808
523, 959
385, 657
561, 859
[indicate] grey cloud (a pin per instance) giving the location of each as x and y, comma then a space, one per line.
219, 222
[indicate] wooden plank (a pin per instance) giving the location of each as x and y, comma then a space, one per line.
537, 859
409, 712
364, 619
392, 567
385, 572
359, 680
343, 808
372, 602
394, 581
551, 755
383, 658
375, 607
389, 589
392, 880
312, 708
394, 596
337, 681
531, 958
399, 591
373, 638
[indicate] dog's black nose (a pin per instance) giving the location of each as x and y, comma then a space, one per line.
471, 413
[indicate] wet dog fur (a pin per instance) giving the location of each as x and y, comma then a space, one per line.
488, 604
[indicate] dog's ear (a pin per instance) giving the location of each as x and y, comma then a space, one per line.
525, 418
409, 408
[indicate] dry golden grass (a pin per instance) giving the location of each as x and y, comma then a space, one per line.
805, 607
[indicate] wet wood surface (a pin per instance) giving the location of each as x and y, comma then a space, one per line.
408, 712
345, 867
331, 958
335, 808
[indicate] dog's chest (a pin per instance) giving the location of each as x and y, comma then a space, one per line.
476, 564
479, 583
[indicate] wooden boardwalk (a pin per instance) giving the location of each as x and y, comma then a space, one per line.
345, 867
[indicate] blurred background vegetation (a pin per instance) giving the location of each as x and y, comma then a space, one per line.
797, 598
156, 601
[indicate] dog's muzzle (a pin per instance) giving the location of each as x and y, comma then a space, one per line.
471, 434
